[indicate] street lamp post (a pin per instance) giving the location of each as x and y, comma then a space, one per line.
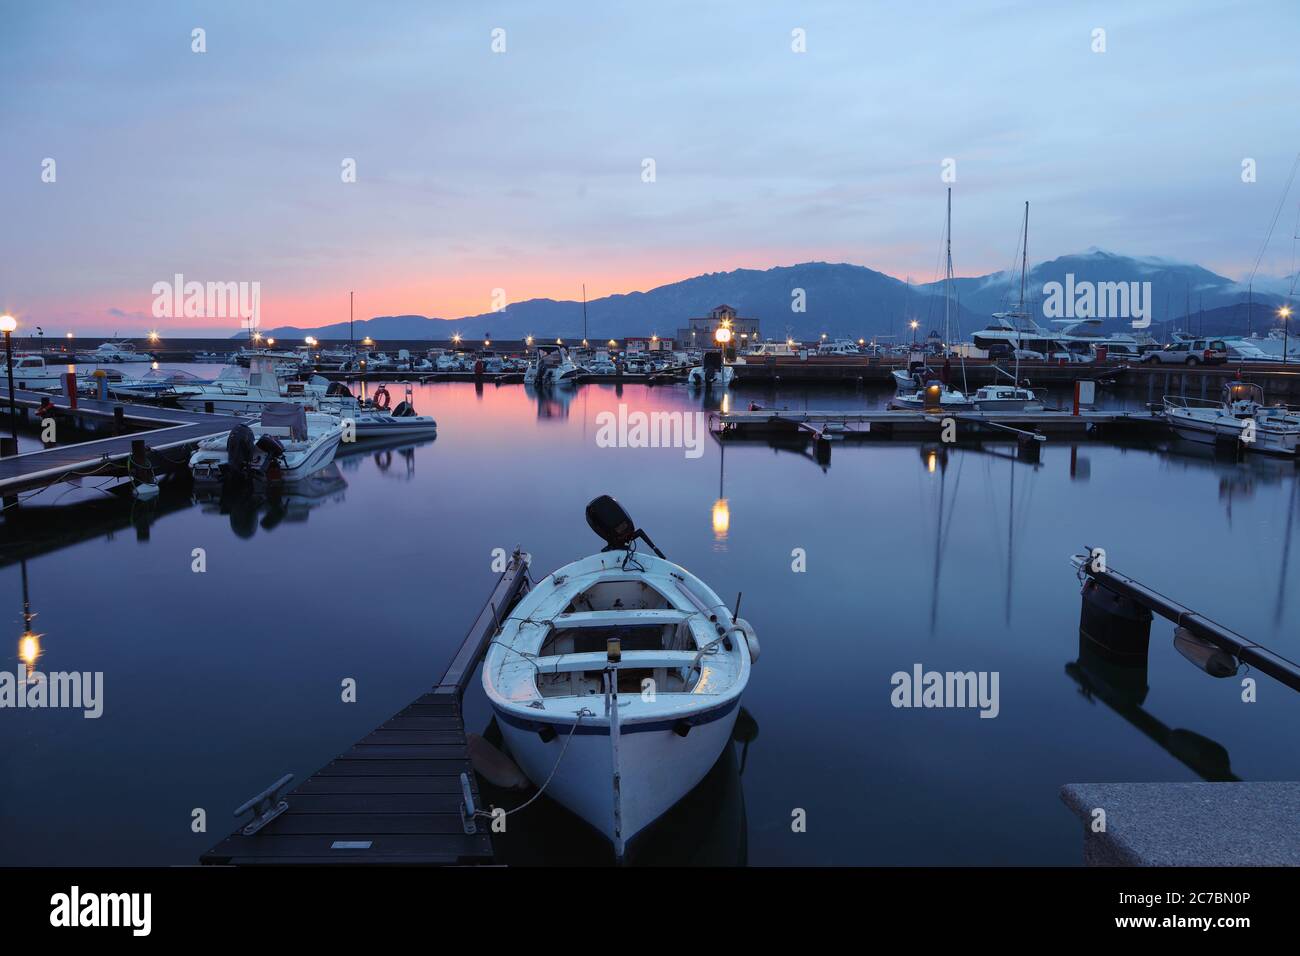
1284, 313
7, 325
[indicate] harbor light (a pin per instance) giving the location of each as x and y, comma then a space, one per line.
529, 341
367, 341
721, 518
7, 324
613, 344
257, 336
310, 341
558, 342
723, 335
270, 342
153, 335
487, 342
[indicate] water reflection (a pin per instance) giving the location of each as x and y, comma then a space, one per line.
29, 644
245, 503
1123, 687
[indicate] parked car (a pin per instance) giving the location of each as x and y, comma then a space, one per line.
1190, 352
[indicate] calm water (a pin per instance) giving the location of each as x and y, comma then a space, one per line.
217, 683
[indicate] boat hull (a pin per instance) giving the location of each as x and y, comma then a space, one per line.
1208, 431
658, 766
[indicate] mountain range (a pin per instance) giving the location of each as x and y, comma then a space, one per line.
846, 300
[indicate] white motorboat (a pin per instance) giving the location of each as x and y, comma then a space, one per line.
1241, 416
247, 392
947, 398
287, 445
1005, 398
373, 418
617, 679
552, 366
712, 372
839, 347
114, 352
31, 372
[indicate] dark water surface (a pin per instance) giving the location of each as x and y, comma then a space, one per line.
956, 559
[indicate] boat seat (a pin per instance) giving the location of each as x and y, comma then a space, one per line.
636, 617
565, 663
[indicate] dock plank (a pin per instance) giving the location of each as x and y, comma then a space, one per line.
396, 793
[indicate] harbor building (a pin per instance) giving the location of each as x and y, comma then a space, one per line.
699, 332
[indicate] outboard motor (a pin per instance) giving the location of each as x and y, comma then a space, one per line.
239, 449
402, 410
712, 366
614, 525
272, 451
338, 390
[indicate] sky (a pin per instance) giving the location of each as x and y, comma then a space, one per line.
524, 169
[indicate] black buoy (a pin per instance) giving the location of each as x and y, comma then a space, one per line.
1117, 626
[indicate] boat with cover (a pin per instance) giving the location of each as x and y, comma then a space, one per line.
286, 445
617, 679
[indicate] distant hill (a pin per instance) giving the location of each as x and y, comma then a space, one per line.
841, 300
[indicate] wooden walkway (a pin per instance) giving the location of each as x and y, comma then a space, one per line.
395, 797
826, 424
168, 429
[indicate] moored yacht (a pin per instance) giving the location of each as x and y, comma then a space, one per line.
247, 392
552, 366
114, 352
617, 679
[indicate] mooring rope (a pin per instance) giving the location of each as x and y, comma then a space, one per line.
584, 712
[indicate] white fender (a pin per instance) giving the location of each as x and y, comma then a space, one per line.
751, 639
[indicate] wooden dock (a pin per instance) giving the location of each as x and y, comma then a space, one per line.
163, 431
396, 796
831, 424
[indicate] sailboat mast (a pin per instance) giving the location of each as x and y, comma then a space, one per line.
584, 313
947, 299
1024, 269
350, 297
947, 279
